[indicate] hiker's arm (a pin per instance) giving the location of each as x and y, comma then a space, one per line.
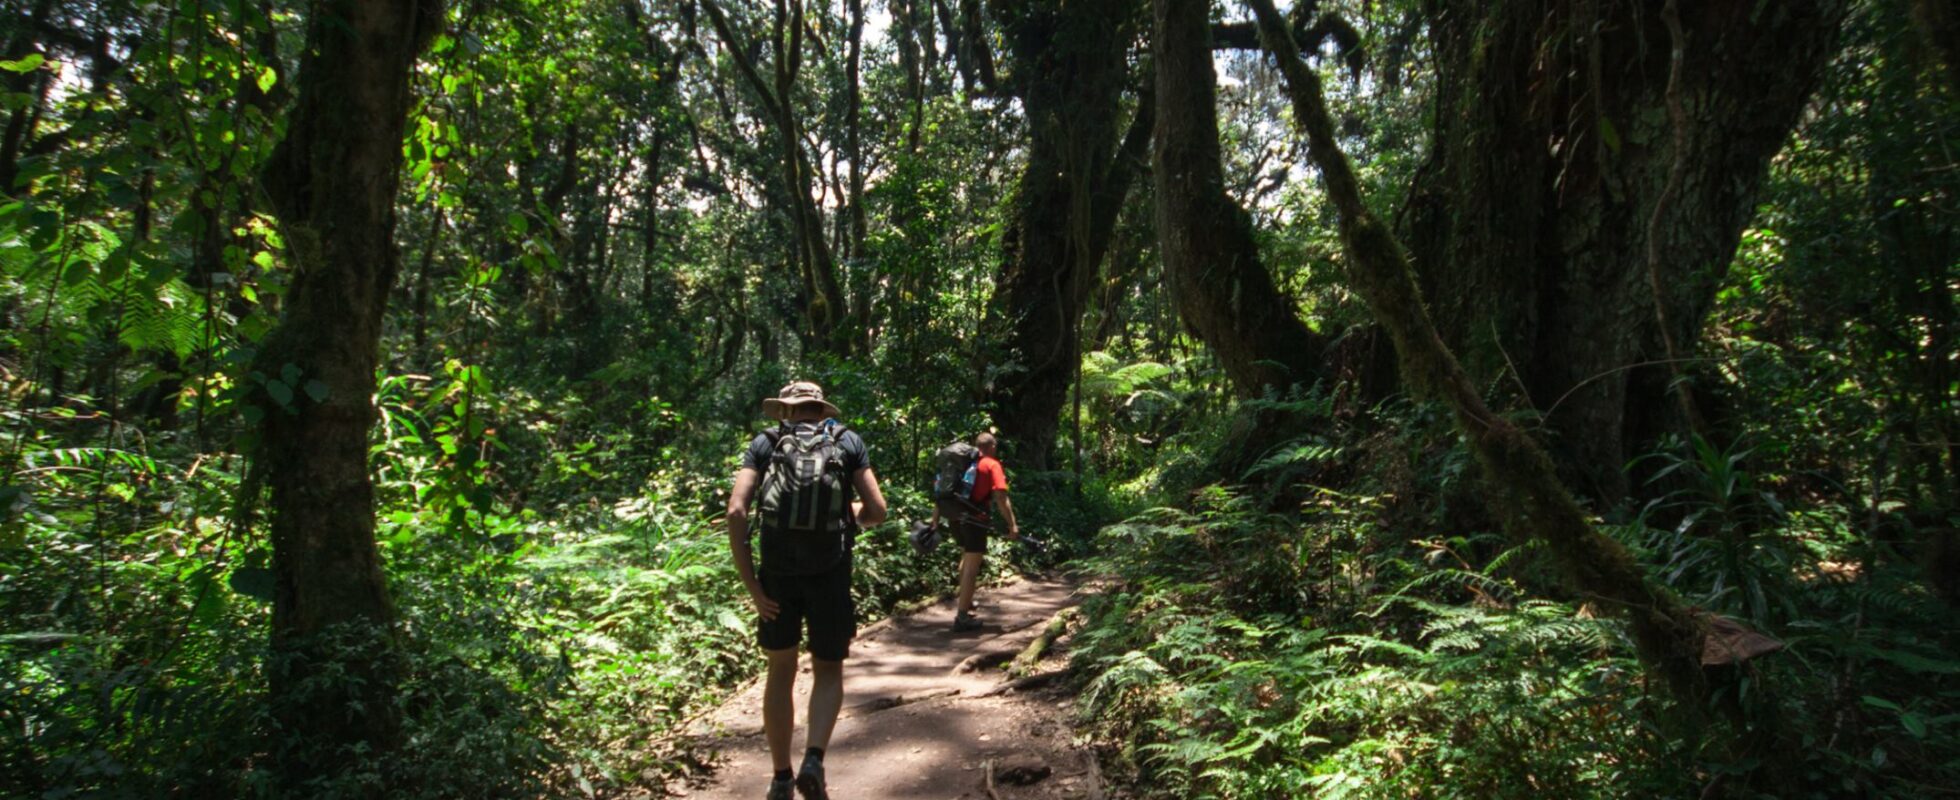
738, 541
1006, 509
871, 506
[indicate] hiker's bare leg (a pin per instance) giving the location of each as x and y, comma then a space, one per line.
969, 575
778, 706
826, 699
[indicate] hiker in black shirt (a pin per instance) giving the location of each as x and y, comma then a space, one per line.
813, 488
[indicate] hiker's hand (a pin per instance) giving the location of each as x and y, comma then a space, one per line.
764, 607
1014, 534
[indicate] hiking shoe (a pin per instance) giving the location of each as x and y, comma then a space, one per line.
809, 780
965, 622
782, 790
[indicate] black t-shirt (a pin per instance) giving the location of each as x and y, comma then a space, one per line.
803, 552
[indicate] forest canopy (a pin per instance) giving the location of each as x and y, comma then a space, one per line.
1444, 398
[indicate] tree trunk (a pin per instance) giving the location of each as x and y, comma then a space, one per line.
865, 303
912, 64
1562, 198
1070, 68
1223, 292
955, 45
973, 39
424, 280
651, 271
33, 82
827, 310
853, 112
332, 182
1920, 248
1127, 263
1528, 492
1939, 22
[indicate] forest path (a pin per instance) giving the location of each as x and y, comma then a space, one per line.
922, 718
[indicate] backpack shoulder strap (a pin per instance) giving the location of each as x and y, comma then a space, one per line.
776, 436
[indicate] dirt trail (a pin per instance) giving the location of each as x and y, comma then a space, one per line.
920, 719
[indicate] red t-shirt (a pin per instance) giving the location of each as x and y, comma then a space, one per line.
988, 477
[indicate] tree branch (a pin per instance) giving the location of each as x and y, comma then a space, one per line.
1245, 36
738, 50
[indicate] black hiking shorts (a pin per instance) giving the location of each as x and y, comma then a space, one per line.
968, 521
823, 600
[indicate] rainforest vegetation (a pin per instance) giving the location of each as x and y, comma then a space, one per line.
1445, 398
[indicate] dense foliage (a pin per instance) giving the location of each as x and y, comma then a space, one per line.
608, 253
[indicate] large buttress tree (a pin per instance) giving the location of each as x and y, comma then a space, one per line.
1069, 72
1673, 638
1594, 164
333, 182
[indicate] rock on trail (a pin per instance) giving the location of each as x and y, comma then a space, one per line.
924, 715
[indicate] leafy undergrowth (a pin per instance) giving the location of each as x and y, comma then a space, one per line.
544, 652
1247, 654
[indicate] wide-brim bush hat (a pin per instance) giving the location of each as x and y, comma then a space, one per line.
799, 393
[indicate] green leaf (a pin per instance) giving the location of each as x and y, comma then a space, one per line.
317, 389
28, 63
253, 582
1609, 135
518, 223
1914, 662
280, 392
1914, 725
267, 77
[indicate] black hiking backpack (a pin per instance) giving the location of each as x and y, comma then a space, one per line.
954, 468
805, 487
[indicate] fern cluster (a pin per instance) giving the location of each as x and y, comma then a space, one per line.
1446, 684
1249, 653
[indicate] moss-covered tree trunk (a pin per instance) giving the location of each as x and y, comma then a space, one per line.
1558, 158
1527, 490
1221, 287
1069, 73
333, 182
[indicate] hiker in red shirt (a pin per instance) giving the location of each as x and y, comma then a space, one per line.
974, 523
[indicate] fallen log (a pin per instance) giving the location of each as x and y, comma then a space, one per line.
1030, 656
